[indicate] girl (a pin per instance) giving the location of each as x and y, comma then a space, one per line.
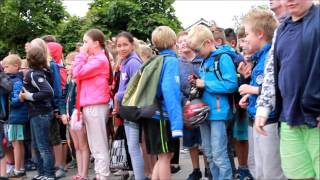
79, 137
39, 93
91, 70
130, 63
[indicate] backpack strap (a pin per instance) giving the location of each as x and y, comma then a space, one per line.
216, 67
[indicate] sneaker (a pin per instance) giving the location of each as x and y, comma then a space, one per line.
60, 173
72, 164
10, 169
121, 173
245, 174
207, 173
195, 175
184, 150
37, 177
175, 169
30, 165
47, 178
17, 174
4, 178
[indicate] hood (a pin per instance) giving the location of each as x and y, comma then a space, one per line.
16, 75
236, 57
55, 51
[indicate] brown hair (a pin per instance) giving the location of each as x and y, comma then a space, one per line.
241, 33
36, 57
97, 35
127, 35
49, 38
218, 33
262, 21
182, 33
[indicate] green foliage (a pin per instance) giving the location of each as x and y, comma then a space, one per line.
71, 33
24, 20
140, 17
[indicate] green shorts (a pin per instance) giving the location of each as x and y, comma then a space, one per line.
16, 132
300, 151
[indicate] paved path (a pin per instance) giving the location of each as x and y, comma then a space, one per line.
185, 164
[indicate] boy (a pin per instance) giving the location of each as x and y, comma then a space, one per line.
259, 27
215, 87
298, 100
18, 115
189, 64
161, 131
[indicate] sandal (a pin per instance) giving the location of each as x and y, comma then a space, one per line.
76, 177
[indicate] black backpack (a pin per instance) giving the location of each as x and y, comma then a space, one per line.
5, 90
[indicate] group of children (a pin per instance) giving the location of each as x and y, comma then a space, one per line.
253, 88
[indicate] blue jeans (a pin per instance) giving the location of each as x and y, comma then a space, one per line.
132, 134
40, 128
214, 144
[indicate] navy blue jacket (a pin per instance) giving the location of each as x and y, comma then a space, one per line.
18, 110
37, 82
57, 101
5, 89
297, 82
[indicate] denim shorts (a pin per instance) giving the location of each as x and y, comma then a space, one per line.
191, 138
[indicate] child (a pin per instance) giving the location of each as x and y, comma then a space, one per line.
145, 52
78, 136
189, 64
91, 70
164, 39
215, 87
38, 93
18, 113
130, 64
259, 27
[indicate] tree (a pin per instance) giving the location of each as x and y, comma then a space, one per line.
71, 32
24, 20
140, 17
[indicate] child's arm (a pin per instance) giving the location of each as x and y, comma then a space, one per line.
44, 89
84, 69
248, 89
14, 98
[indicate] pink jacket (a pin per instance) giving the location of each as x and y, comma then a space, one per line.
93, 74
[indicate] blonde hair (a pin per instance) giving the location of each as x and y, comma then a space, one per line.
261, 20
70, 57
145, 50
198, 35
182, 33
241, 33
163, 37
24, 64
12, 59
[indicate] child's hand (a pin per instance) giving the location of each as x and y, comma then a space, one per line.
200, 83
243, 103
246, 89
245, 68
192, 79
84, 49
259, 123
22, 96
64, 119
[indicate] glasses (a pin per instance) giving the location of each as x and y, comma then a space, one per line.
197, 50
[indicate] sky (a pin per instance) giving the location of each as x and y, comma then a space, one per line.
190, 11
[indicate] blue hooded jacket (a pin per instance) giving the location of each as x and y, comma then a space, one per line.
169, 91
215, 92
57, 101
235, 56
18, 110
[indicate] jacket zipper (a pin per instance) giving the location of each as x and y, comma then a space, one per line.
218, 103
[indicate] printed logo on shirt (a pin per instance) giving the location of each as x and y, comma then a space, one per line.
123, 76
41, 80
259, 79
177, 78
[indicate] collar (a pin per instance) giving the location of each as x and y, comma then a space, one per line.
168, 51
261, 52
